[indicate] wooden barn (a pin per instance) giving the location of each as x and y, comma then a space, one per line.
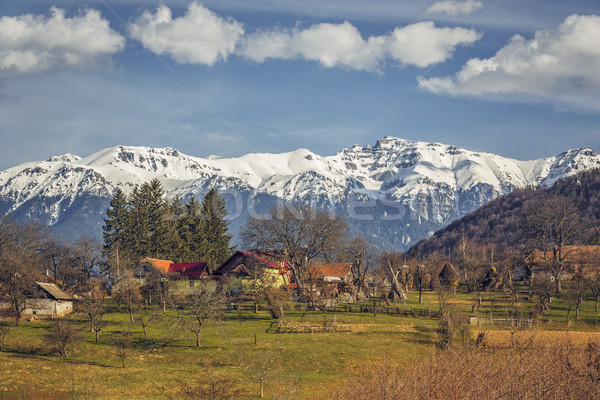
48, 301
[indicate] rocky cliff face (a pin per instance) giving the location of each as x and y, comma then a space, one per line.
395, 192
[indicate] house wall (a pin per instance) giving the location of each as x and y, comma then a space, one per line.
48, 307
190, 285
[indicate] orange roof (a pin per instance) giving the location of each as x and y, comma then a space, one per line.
339, 270
161, 265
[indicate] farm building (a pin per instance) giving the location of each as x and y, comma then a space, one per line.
578, 259
244, 268
187, 277
339, 272
48, 301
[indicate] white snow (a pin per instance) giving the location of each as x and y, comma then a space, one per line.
403, 170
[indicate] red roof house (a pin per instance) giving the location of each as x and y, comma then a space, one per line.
196, 270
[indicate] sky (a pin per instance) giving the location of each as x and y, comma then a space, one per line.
228, 77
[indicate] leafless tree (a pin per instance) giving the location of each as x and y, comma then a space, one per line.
575, 294
211, 386
121, 342
94, 306
553, 223
62, 335
148, 316
4, 329
471, 263
258, 366
361, 254
593, 283
62, 263
543, 288
19, 262
422, 279
89, 253
199, 309
300, 233
127, 290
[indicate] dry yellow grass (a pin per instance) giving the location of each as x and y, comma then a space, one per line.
502, 339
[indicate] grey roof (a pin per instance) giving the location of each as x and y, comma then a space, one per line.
54, 291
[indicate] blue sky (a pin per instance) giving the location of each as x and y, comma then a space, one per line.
230, 77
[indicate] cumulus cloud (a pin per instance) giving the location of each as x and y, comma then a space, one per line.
555, 62
423, 44
332, 45
198, 37
203, 37
32, 44
342, 45
452, 7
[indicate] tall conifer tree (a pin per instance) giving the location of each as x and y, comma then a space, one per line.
215, 237
116, 223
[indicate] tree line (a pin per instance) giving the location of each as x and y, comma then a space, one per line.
146, 224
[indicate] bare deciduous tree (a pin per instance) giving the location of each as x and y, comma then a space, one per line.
127, 290
422, 279
94, 307
19, 260
593, 283
360, 253
4, 329
199, 309
543, 288
301, 234
62, 335
553, 224
121, 341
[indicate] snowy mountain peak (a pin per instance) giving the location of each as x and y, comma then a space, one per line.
65, 158
398, 191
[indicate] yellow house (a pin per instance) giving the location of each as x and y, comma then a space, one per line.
245, 270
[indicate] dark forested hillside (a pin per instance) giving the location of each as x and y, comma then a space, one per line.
500, 222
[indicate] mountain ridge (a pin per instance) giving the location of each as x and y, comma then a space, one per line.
396, 192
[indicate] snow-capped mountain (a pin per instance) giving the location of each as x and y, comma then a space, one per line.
395, 192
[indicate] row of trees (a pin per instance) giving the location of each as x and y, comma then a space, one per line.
28, 253
145, 224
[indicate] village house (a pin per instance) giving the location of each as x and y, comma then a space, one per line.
147, 264
583, 260
48, 301
181, 277
331, 279
188, 277
244, 268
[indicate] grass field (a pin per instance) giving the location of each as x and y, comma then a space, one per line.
236, 350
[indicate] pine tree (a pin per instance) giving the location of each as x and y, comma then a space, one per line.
139, 229
215, 237
118, 239
193, 228
116, 223
176, 219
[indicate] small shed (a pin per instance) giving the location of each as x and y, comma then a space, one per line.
48, 301
338, 272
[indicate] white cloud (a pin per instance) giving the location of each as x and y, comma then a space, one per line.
198, 37
342, 45
423, 44
562, 62
203, 37
32, 44
452, 7
332, 45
